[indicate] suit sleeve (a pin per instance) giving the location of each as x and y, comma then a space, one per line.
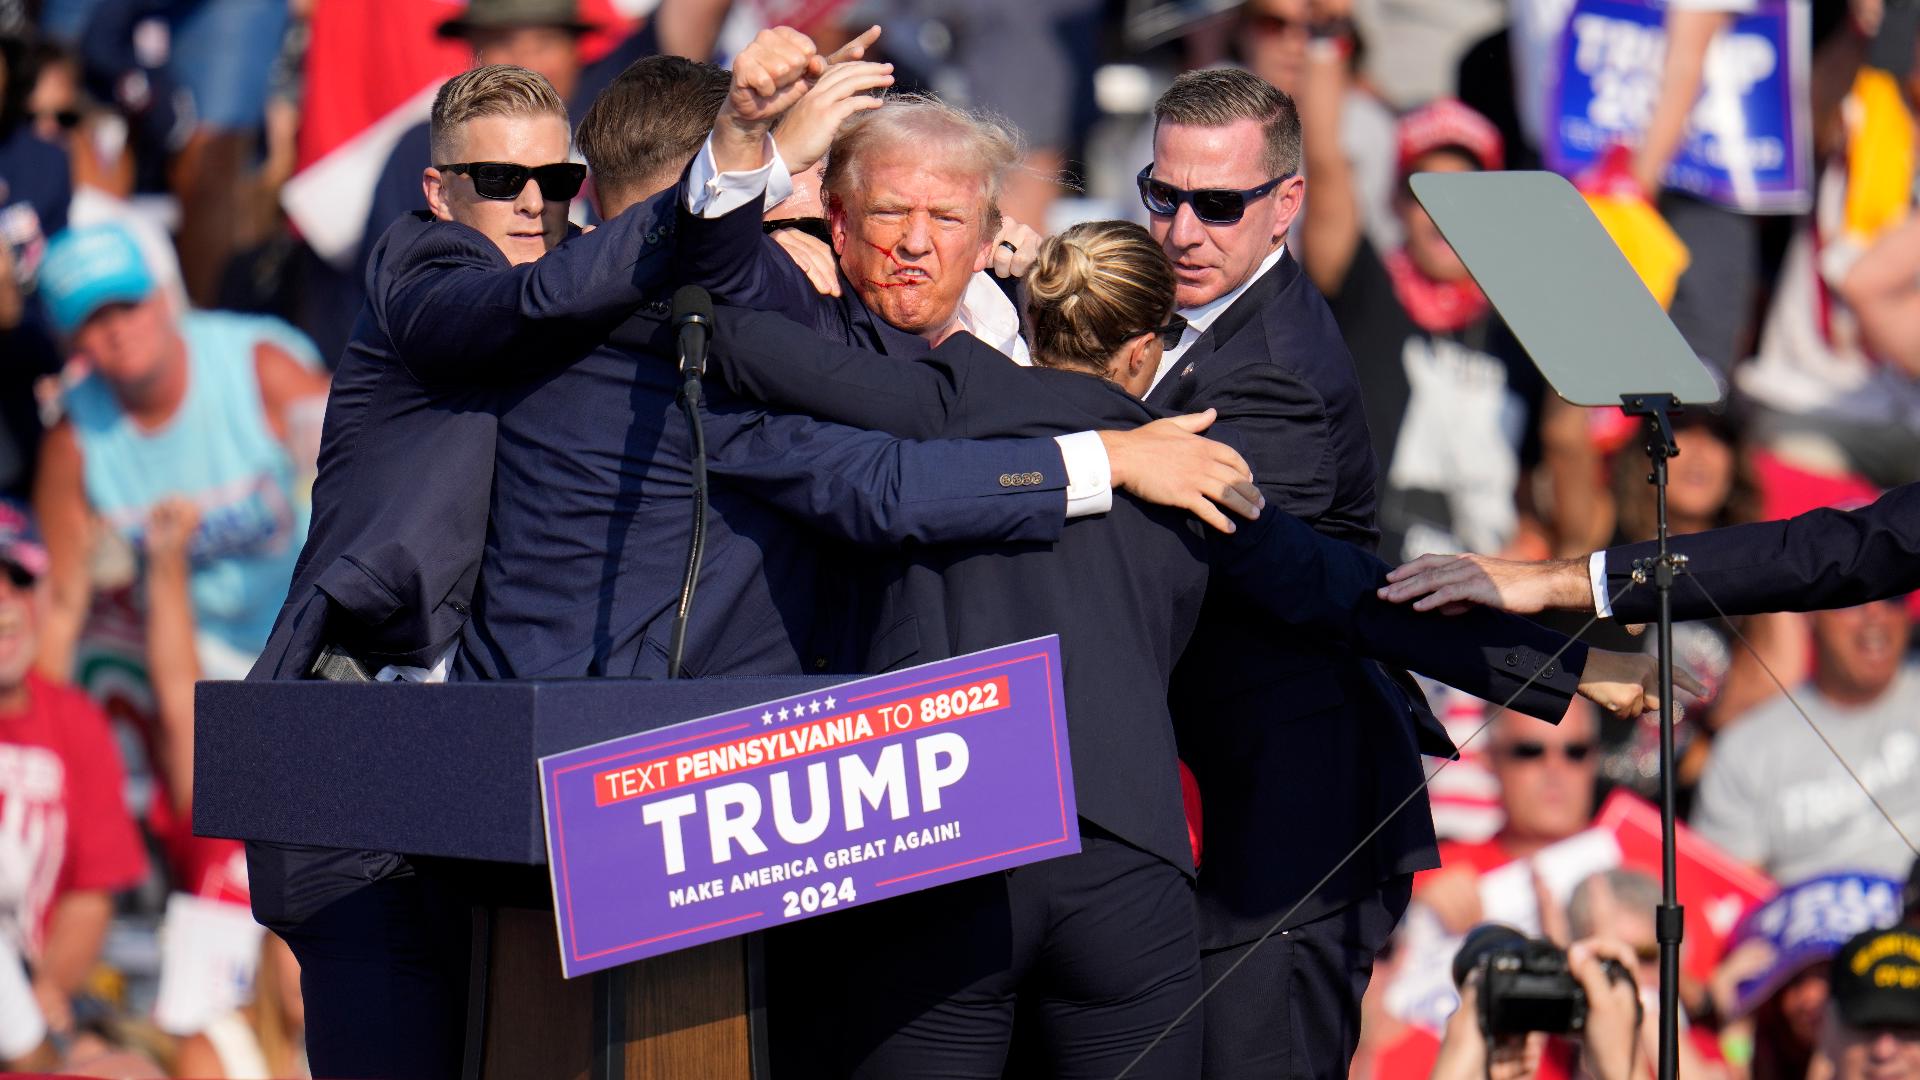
770, 358
1311, 582
737, 263
1821, 559
457, 316
869, 488
1287, 436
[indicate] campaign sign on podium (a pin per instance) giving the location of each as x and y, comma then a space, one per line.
805, 806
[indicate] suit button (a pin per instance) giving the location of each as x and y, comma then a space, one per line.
1549, 671
819, 663
1513, 660
1035, 479
1006, 479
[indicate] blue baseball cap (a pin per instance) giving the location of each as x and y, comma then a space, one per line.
1807, 923
89, 267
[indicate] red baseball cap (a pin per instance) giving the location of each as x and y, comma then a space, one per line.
1447, 124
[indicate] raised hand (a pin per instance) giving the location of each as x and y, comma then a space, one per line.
769, 76
1014, 249
1169, 463
845, 89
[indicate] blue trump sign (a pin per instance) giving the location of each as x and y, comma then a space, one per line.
1746, 144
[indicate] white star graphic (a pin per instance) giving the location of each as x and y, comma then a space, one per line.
829, 701
766, 717
783, 714
813, 707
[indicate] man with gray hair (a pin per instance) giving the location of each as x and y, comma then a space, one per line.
911, 188
1299, 752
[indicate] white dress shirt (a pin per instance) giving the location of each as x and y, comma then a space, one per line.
984, 311
1200, 319
1597, 577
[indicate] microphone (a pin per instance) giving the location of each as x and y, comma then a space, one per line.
693, 328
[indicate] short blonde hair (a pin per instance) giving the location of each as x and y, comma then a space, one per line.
1092, 288
489, 90
930, 130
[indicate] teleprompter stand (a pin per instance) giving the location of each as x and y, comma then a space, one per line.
448, 775
1600, 339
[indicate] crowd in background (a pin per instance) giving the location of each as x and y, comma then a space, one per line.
165, 158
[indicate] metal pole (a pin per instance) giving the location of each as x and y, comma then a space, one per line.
1669, 920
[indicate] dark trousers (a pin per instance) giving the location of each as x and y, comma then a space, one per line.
1292, 1008
1097, 949
383, 951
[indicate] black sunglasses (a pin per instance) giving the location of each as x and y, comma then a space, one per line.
1532, 751
67, 119
1215, 206
505, 180
1169, 334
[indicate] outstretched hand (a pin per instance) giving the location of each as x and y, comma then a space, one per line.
1168, 462
1451, 582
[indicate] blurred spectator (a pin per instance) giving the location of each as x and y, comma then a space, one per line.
1873, 1029
214, 869
221, 408
1775, 797
1546, 773
1710, 486
1414, 45
1454, 406
1883, 291
1772, 985
1273, 39
67, 842
1611, 1045
258, 1040
1619, 905
35, 190
1823, 399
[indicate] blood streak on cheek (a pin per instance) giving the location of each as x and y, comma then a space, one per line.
892, 258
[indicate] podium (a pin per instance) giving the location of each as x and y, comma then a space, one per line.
450, 773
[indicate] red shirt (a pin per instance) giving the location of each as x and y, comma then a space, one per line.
64, 825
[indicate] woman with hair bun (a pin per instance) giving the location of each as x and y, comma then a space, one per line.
1099, 949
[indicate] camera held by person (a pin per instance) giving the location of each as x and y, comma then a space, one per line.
1517, 991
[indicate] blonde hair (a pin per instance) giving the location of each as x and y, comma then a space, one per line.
930, 130
489, 90
1092, 288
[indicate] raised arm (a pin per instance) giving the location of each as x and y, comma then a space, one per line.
457, 315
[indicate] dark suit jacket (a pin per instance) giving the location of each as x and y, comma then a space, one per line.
1821, 559
1255, 702
592, 511
1122, 590
406, 454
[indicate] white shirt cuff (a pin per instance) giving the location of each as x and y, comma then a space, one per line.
1597, 577
712, 193
1089, 474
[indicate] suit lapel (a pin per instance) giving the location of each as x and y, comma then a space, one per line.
1182, 381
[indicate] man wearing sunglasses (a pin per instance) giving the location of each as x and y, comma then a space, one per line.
1546, 774
478, 294
1298, 752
